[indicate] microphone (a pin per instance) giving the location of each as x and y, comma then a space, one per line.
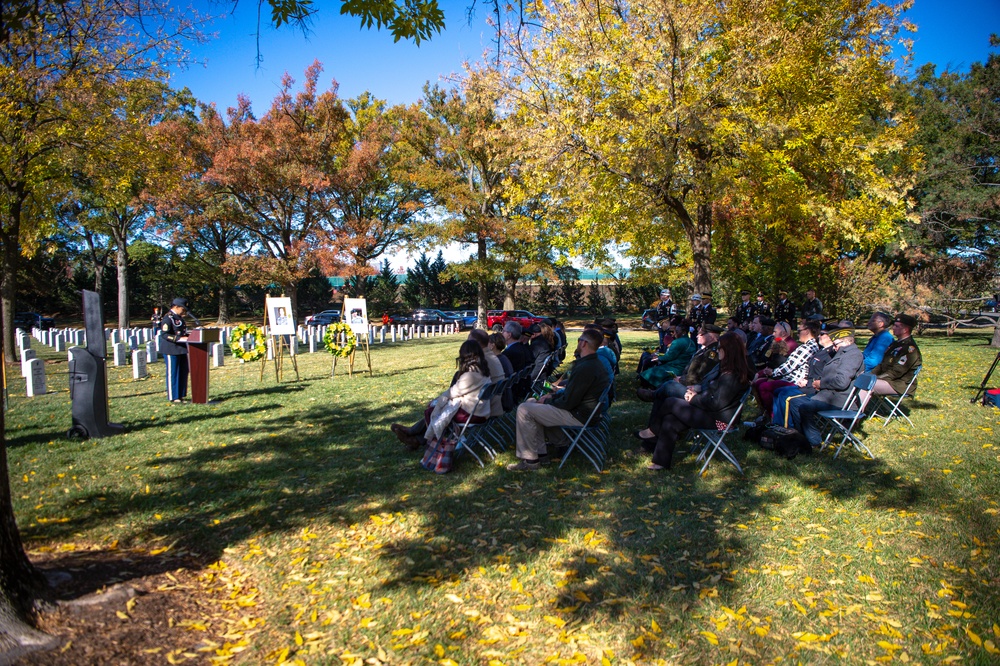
191, 314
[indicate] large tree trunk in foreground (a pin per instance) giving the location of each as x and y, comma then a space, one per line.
19, 580
996, 337
223, 305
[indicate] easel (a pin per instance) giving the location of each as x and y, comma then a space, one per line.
362, 341
278, 348
278, 344
981, 392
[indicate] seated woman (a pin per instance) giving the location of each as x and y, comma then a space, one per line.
706, 409
543, 343
794, 369
678, 356
497, 345
779, 348
460, 403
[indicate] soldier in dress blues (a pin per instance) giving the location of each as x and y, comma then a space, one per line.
694, 314
708, 313
785, 309
665, 312
173, 346
744, 311
760, 307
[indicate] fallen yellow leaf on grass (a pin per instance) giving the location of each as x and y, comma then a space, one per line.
974, 637
122, 616
555, 621
515, 585
454, 598
710, 637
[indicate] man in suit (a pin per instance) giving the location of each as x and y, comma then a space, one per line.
519, 355
812, 308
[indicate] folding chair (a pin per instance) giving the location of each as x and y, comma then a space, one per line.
895, 408
544, 371
470, 433
591, 438
844, 420
500, 429
715, 439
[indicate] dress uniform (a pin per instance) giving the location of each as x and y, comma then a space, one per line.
901, 360
761, 308
695, 314
708, 312
785, 309
744, 311
173, 346
665, 311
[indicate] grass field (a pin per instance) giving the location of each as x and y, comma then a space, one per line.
324, 542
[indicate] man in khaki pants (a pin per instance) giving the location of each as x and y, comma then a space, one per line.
569, 407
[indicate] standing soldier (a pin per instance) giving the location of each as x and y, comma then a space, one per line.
744, 311
173, 346
155, 320
813, 307
708, 313
694, 314
665, 311
785, 309
761, 307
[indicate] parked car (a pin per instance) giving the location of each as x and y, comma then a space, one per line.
324, 318
30, 320
427, 317
468, 317
648, 320
495, 319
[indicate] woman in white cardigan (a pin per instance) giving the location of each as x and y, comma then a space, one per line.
460, 403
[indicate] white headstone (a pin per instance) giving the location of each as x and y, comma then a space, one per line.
392, 333
23, 341
270, 348
381, 335
115, 337
120, 353
139, 364
60, 343
151, 355
36, 377
313, 341
218, 355
293, 345
27, 355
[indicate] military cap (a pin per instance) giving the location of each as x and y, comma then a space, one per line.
906, 320
180, 303
712, 328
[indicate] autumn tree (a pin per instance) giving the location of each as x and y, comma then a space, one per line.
644, 115
470, 161
376, 188
278, 170
50, 72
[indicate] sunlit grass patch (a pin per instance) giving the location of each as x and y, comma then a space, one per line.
345, 550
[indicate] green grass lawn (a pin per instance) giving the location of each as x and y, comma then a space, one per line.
332, 546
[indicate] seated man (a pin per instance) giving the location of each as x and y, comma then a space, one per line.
878, 324
901, 360
758, 347
803, 387
588, 377
833, 386
519, 356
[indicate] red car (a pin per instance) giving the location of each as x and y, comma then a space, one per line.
495, 319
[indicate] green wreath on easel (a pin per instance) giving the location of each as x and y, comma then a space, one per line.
256, 352
331, 340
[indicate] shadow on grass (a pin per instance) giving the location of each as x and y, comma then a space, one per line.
633, 538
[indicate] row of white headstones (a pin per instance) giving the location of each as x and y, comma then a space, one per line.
141, 346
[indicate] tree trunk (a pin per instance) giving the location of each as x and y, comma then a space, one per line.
292, 291
223, 304
996, 337
510, 291
19, 580
700, 237
122, 259
482, 295
10, 258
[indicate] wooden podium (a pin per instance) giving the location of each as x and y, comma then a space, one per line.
199, 351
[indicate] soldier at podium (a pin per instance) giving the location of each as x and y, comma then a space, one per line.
173, 346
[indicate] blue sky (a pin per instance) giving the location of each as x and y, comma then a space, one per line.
951, 33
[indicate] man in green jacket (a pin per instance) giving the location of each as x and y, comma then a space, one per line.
570, 407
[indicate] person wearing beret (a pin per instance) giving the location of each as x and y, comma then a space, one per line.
785, 309
173, 346
901, 360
